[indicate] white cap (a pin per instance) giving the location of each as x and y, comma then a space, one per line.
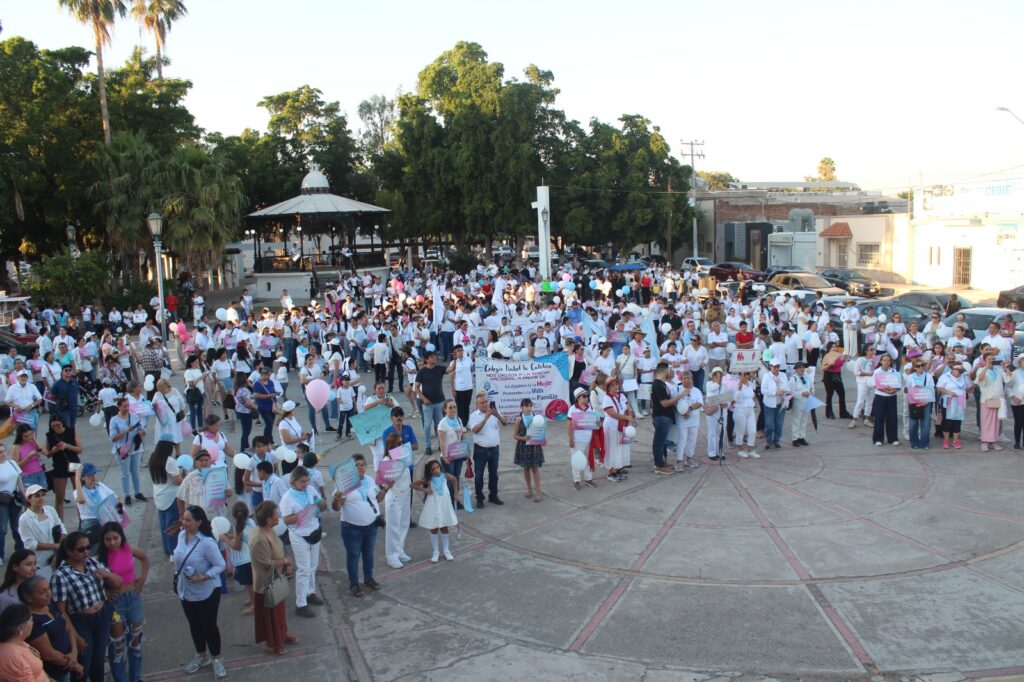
288, 406
775, 362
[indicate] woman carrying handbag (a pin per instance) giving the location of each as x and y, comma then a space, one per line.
271, 568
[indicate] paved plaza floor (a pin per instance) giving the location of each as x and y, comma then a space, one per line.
836, 561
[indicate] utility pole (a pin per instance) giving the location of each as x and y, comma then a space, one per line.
694, 155
668, 228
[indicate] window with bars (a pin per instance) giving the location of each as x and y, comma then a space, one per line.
869, 255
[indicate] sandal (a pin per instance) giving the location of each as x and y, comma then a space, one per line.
536, 498
356, 591
528, 494
247, 610
291, 639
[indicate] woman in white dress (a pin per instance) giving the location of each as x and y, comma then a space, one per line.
438, 511
625, 367
617, 415
579, 439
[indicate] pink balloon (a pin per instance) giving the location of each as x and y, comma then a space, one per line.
186, 430
566, 277
317, 392
182, 331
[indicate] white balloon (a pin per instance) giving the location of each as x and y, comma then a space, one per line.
556, 300
222, 314
425, 335
578, 461
629, 431
173, 327
220, 526
96, 419
538, 420
881, 318
241, 461
666, 328
281, 453
291, 456
148, 384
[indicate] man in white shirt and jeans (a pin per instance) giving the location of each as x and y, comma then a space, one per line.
485, 423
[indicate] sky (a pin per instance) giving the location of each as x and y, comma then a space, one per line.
896, 92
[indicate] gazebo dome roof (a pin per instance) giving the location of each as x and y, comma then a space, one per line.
315, 182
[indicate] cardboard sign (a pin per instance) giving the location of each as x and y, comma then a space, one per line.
456, 450
723, 398
403, 453
215, 483
586, 421
887, 380
920, 395
369, 425
388, 470
345, 476
746, 360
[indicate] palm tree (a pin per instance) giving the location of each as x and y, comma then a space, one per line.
100, 14
156, 16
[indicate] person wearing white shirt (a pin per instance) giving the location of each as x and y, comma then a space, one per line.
716, 344
802, 385
863, 372
300, 510
359, 511
696, 356
1002, 344
887, 383
688, 411
775, 391
850, 318
461, 370
936, 330
36, 527
744, 417
485, 422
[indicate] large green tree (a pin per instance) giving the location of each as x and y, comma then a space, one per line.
99, 15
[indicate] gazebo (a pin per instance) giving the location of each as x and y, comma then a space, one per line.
315, 212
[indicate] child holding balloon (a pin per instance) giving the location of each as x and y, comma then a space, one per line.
530, 447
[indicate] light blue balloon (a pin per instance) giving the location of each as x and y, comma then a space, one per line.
625, 291
570, 286
185, 462
593, 284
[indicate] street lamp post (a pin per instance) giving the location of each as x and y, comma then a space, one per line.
255, 255
156, 229
70, 229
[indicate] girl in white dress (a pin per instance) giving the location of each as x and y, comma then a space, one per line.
438, 511
579, 439
617, 413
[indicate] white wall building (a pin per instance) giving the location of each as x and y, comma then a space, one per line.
969, 234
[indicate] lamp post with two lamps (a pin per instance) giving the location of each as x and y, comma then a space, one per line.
156, 229
72, 249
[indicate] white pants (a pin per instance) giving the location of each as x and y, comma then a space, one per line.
686, 440
850, 341
744, 421
798, 422
307, 558
715, 424
906, 414
397, 512
865, 398
581, 442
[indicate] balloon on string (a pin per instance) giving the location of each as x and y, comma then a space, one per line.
174, 327
629, 431
148, 384
186, 429
317, 392
220, 526
557, 300
537, 421
185, 462
566, 277
881, 317
578, 461
216, 454
666, 328
241, 460
281, 453
96, 419
593, 284
430, 348
619, 292
570, 286
419, 299
561, 284
222, 315
291, 456
625, 291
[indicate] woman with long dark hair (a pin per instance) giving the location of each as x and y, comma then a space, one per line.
52, 635
166, 476
79, 585
63, 448
198, 564
20, 567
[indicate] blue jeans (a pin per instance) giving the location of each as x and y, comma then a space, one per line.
774, 418
311, 413
130, 467
168, 517
125, 659
245, 419
358, 541
662, 427
431, 418
289, 352
68, 417
195, 416
95, 630
9, 514
920, 429
268, 424
445, 342
39, 478
698, 379
485, 458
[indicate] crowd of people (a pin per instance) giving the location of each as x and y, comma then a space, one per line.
729, 361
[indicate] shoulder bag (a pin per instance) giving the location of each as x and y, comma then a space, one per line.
276, 590
177, 574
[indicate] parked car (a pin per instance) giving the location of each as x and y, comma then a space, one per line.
503, 251
934, 300
699, 265
533, 253
731, 269
776, 269
852, 281
978, 319
595, 263
886, 307
805, 280
1011, 298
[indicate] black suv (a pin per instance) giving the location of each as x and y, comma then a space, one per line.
854, 282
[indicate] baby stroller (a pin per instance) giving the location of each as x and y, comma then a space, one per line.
88, 395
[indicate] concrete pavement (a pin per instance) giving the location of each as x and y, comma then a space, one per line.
836, 561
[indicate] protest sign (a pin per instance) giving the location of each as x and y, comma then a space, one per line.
369, 425
106, 512
215, 483
345, 476
920, 395
723, 398
586, 421
388, 470
403, 452
457, 450
543, 380
745, 360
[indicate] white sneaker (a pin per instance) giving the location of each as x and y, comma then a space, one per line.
743, 454
448, 555
434, 557
853, 424
878, 445
895, 442
641, 415
394, 563
218, 669
404, 557
691, 463
200, 661
753, 453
